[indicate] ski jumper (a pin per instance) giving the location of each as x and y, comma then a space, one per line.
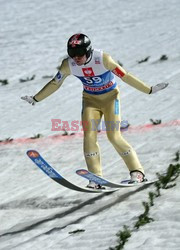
100, 97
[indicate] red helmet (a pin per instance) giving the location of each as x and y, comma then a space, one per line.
79, 45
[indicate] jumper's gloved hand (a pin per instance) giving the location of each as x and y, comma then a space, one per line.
29, 99
158, 87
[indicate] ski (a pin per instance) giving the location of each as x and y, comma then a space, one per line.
57, 177
104, 182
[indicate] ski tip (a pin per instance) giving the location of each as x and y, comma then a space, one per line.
32, 153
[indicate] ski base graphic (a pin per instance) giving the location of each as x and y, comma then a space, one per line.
57, 177
104, 182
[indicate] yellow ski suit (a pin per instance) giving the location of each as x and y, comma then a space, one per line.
100, 97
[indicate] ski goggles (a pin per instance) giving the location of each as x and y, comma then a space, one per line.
73, 52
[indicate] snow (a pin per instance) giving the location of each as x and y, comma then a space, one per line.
36, 213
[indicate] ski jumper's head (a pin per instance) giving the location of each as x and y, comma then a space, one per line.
79, 48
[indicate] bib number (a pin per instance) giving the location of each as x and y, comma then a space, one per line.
91, 80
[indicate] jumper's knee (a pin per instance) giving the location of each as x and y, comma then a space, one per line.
112, 137
90, 136
115, 138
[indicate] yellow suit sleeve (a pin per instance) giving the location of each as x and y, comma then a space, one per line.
55, 83
127, 77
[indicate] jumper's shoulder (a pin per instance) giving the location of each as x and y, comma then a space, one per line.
64, 67
110, 63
